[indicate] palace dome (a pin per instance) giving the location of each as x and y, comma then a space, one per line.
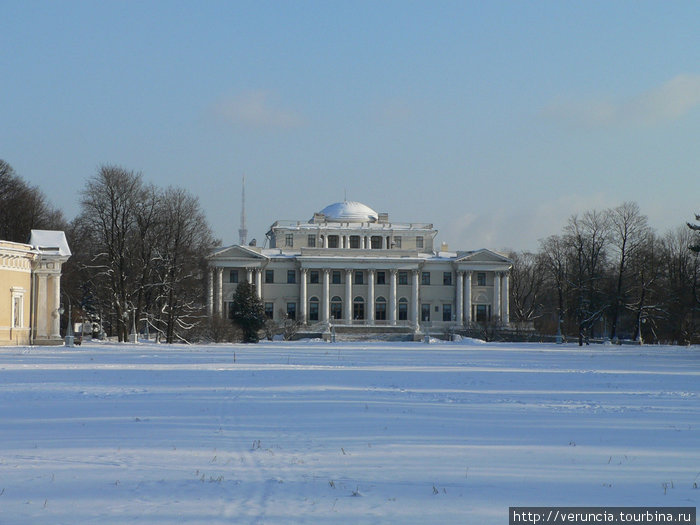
349, 211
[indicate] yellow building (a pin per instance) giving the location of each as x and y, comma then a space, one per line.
30, 289
15, 285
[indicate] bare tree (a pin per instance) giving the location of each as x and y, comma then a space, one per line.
587, 240
527, 279
555, 263
646, 271
628, 232
108, 220
184, 239
681, 269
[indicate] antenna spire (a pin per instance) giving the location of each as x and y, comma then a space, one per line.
243, 231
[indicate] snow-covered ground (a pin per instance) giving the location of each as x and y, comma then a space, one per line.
342, 433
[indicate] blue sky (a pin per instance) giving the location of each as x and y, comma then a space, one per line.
496, 121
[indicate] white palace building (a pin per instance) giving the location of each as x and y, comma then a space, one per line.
352, 266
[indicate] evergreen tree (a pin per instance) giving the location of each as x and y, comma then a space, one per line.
695, 247
248, 312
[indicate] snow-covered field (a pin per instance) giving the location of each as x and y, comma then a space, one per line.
342, 433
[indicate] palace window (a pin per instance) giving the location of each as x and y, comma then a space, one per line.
483, 312
313, 309
376, 242
269, 310
359, 277
336, 308
481, 279
291, 276
403, 277
419, 242
17, 308
289, 240
233, 276
381, 277
447, 312
335, 277
354, 241
333, 241
397, 242
291, 310
358, 308
269, 276
403, 309
425, 278
313, 277
447, 278
380, 309
425, 312
311, 241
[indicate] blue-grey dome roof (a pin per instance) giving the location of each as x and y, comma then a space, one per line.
349, 211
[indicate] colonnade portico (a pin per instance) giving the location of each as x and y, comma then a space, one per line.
499, 303
352, 290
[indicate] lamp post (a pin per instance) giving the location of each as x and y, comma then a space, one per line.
70, 339
133, 336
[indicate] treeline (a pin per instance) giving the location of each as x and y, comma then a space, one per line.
24, 208
139, 252
608, 274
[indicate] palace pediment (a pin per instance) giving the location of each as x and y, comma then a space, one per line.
236, 253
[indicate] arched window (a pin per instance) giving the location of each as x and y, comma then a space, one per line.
358, 308
403, 309
313, 309
336, 307
380, 309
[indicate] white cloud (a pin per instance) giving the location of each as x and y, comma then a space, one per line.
669, 101
258, 109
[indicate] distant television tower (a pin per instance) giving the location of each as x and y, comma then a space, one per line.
243, 231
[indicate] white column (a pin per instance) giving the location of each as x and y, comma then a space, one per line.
392, 297
496, 311
302, 297
370, 296
348, 296
42, 308
414, 298
210, 293
468, 298
249, 275
55, 316
325, 301
505, 300
258, 282
325, 240
460, 297
220, 292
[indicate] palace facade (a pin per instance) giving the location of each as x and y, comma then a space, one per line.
350, 265
30, 288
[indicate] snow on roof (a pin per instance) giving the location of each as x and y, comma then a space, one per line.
50, 241
349, 211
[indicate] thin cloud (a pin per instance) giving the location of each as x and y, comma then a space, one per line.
669, 101
258, 109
